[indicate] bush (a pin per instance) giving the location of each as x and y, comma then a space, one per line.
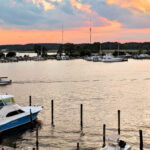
11, 54
2, 55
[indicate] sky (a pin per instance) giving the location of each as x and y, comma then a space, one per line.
41, 21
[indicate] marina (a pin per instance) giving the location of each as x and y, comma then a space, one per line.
91, 88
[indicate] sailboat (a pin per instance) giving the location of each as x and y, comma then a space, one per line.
63, 57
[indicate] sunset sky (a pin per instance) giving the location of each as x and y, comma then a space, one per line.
34, 21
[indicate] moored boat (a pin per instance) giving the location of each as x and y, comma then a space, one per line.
111, 58
12, 115
113, 143
3, 81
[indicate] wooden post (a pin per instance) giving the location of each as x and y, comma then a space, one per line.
78, 146
141, 139
52, 112
119, 122
30, 101
37, 138
81, 116
31, 120
104, 135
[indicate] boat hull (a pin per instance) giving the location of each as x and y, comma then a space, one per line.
18, 122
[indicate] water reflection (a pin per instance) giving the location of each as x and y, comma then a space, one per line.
101, 88
13, 137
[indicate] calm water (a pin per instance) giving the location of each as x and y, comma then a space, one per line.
101, 88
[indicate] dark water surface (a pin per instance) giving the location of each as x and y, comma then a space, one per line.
101, 88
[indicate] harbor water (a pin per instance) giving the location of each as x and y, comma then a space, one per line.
102, 88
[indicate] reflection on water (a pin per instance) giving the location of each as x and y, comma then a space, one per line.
101, 88
13, 137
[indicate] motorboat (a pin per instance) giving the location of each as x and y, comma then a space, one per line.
143, 56
97, 58
111, 58
113, 143
3, 81
12, 115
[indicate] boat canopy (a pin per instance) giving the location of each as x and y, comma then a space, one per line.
6, 100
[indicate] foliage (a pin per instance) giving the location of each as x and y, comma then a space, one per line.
2, 55
40, 50
11, 54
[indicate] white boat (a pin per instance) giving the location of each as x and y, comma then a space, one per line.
13, 115
3, 81
111, 58
113, 143
97, 58
143, 56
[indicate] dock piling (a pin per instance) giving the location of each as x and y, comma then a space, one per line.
30, 101
141, 139
31, 120
81, 116
119, 122
78, 146
37, 138
52, 112
104, 135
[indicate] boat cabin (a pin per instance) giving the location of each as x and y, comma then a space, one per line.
6, 100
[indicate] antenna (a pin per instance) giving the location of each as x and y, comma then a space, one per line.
62, 34
118, 48
90, 31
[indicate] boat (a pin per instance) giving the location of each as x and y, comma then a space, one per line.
143, 56
113, 143
5, 82
12, 115
111, 58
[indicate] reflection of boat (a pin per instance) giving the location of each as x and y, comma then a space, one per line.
113, 143
111, 58
5, 82
10, 139
13, 115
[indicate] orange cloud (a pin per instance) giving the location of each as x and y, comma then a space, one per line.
135, 5
110, 31
46, 5
80, 6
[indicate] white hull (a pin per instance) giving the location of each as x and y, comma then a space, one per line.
127, 147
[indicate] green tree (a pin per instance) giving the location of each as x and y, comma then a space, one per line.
2, 55
11, 54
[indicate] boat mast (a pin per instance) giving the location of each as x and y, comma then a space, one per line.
62, 37
90, 31
118, 48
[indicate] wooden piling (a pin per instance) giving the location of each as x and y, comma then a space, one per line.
81, 116
141, 139
31, 120
119, 122
78, 146
37, 138
104, 135
52, 112
30, 101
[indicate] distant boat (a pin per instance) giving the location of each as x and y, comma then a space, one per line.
143, 56
3, 81
111, 58
113, 143
13, 115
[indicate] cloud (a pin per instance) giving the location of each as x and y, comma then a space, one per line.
80, 6
135, 5
46, 5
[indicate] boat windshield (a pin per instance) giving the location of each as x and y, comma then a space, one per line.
1, 103
9, 101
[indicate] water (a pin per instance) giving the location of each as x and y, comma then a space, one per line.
102, 88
